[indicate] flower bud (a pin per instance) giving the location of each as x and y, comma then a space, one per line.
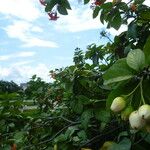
118, 104
126, 113
136, 121
144, 111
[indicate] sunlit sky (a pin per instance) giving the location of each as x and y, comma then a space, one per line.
32, 44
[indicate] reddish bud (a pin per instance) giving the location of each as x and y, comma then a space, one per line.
133, 7
43, 2
53, 16
98, 3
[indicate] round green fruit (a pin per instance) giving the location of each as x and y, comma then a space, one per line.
107, 145
126, 113
118, 104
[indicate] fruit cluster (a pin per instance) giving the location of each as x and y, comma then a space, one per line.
138, 119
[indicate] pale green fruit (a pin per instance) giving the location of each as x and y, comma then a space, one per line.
126, 113
107, 145
148, 128
55, 147
136, 121
118, 104
144, 111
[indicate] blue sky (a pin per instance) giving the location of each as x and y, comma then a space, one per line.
31, 44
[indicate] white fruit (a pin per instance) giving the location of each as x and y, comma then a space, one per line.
118, 104
144, 111
136, 121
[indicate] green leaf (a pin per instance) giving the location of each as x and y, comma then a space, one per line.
96, 11
62, 10
132, 30
136, 59
77, 106
125, 144
60, 138
102, 16
66, 4
19, 137
82, 135
145, 15
120, 71
102, 115
85, 117
50, 6
116, 21
85, 100
107, 6
147, 50
86, 1
70, 131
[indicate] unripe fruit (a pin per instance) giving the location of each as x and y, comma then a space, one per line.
118, 104
147, 128
144, 111
107, 145
136, 121
126, 113
55, 147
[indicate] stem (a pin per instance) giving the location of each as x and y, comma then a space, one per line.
133, 90
141, 89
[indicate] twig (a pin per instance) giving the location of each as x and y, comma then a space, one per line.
46, 141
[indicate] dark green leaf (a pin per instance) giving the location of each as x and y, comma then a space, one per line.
96, 11
62, 10
116, 21
86, 1
132, 30
102, 115
125, 144
50, 6
85, 118
66, 4
147, 50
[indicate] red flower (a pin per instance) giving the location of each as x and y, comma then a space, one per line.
43, 2
98, 3
53, 16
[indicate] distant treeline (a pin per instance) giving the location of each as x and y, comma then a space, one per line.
9, 87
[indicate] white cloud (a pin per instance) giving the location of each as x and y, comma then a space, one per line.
5, 57
22, 30
20, 63
22, 73
22, 9
17, 55
33, 41
79, 19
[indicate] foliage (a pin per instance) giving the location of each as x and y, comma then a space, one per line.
8, 87
73, 112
